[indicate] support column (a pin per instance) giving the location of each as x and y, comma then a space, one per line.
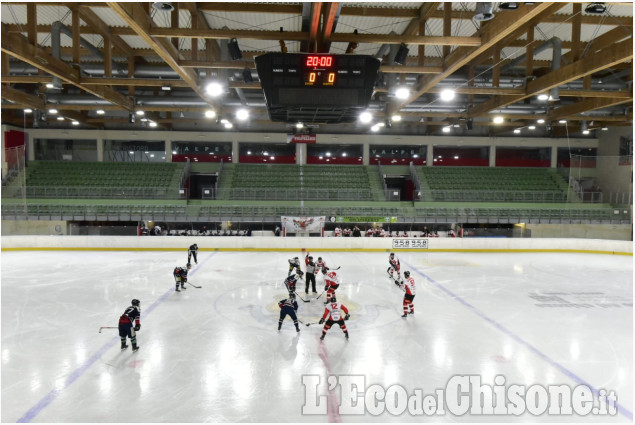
429, 155
168, 150
492, 156
100, 149
235, 151
366, 154
300, 153
554, 157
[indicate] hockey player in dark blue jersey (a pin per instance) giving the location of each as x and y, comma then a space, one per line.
131, 317
291, 281
180, 276
289, 306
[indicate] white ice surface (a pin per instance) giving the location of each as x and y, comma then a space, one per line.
214, 354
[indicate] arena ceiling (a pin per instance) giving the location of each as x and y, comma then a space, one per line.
94, 65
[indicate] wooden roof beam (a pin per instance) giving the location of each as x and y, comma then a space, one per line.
586, 105
139, 20
18, 46
489, 34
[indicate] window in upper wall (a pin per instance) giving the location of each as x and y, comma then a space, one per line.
134, 151
578, 157
397, 154
523, 157
266, 153
65, 150
335, 154
464, 156
202, 151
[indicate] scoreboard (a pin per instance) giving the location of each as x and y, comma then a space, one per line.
316, 87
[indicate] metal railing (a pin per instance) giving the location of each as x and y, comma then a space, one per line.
290, 194
90, 192
496, 196
115, 212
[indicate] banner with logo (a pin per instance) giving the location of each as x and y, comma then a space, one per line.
301, 138
293, 224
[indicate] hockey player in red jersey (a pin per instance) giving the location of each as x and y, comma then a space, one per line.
320, 264
333, 314
131, 316
288, 306
331, 282
394, 265
180, 276
408, 286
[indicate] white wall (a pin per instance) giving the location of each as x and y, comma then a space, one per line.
181, 243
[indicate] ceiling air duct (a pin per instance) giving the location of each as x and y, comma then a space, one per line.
163, 6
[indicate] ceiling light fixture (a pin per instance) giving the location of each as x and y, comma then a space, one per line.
595, 8
402, 54
483, 12
562, 121
28, 110
75, 122
210, 114
517, 130
365, 117
100, 112
543, 96
152, 124
60, 118
540, 121
242, 114
447, 95
166, 88
396, 118
163, 6
402, 93
52, 111
228, 125
214, 89
532, 127
140, 113
447, 129
498, 120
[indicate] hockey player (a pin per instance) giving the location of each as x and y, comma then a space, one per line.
321, 264
288, 306
180, 276
126, 329
191, 252
290, 281
333, 314
331, 283
408, 286
294, 263
310, 273
394, 266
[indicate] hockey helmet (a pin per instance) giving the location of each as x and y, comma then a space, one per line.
300, 273
135, 302
406, 274
292, 295
392, 255
310, 258
296, 258
319, 258
189, 266
333, 299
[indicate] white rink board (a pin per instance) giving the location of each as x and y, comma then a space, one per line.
265, 243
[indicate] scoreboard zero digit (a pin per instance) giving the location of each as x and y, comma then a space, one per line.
316, 87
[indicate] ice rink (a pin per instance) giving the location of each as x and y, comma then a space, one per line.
214, 354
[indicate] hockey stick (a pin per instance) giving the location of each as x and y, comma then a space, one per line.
108, 327
309, 324
306, 301
318, 297
194, 285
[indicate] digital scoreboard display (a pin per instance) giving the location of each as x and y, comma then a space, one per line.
334, 88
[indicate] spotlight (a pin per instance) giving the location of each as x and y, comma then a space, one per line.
483, 12
498, 120
166, 88
242, 114
396, 118
214, 89
247, 77
517, 130
447, 95
402, 93
28, 110
402, 54
508, 6
543, 96
163, 6
210, 114
100, 112
299, 125
365, 117
75, 123
234, 50
140, 113
53, 111
447, 129
595, 8
540, 121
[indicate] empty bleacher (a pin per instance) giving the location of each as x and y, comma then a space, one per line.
63, 179
493, 184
